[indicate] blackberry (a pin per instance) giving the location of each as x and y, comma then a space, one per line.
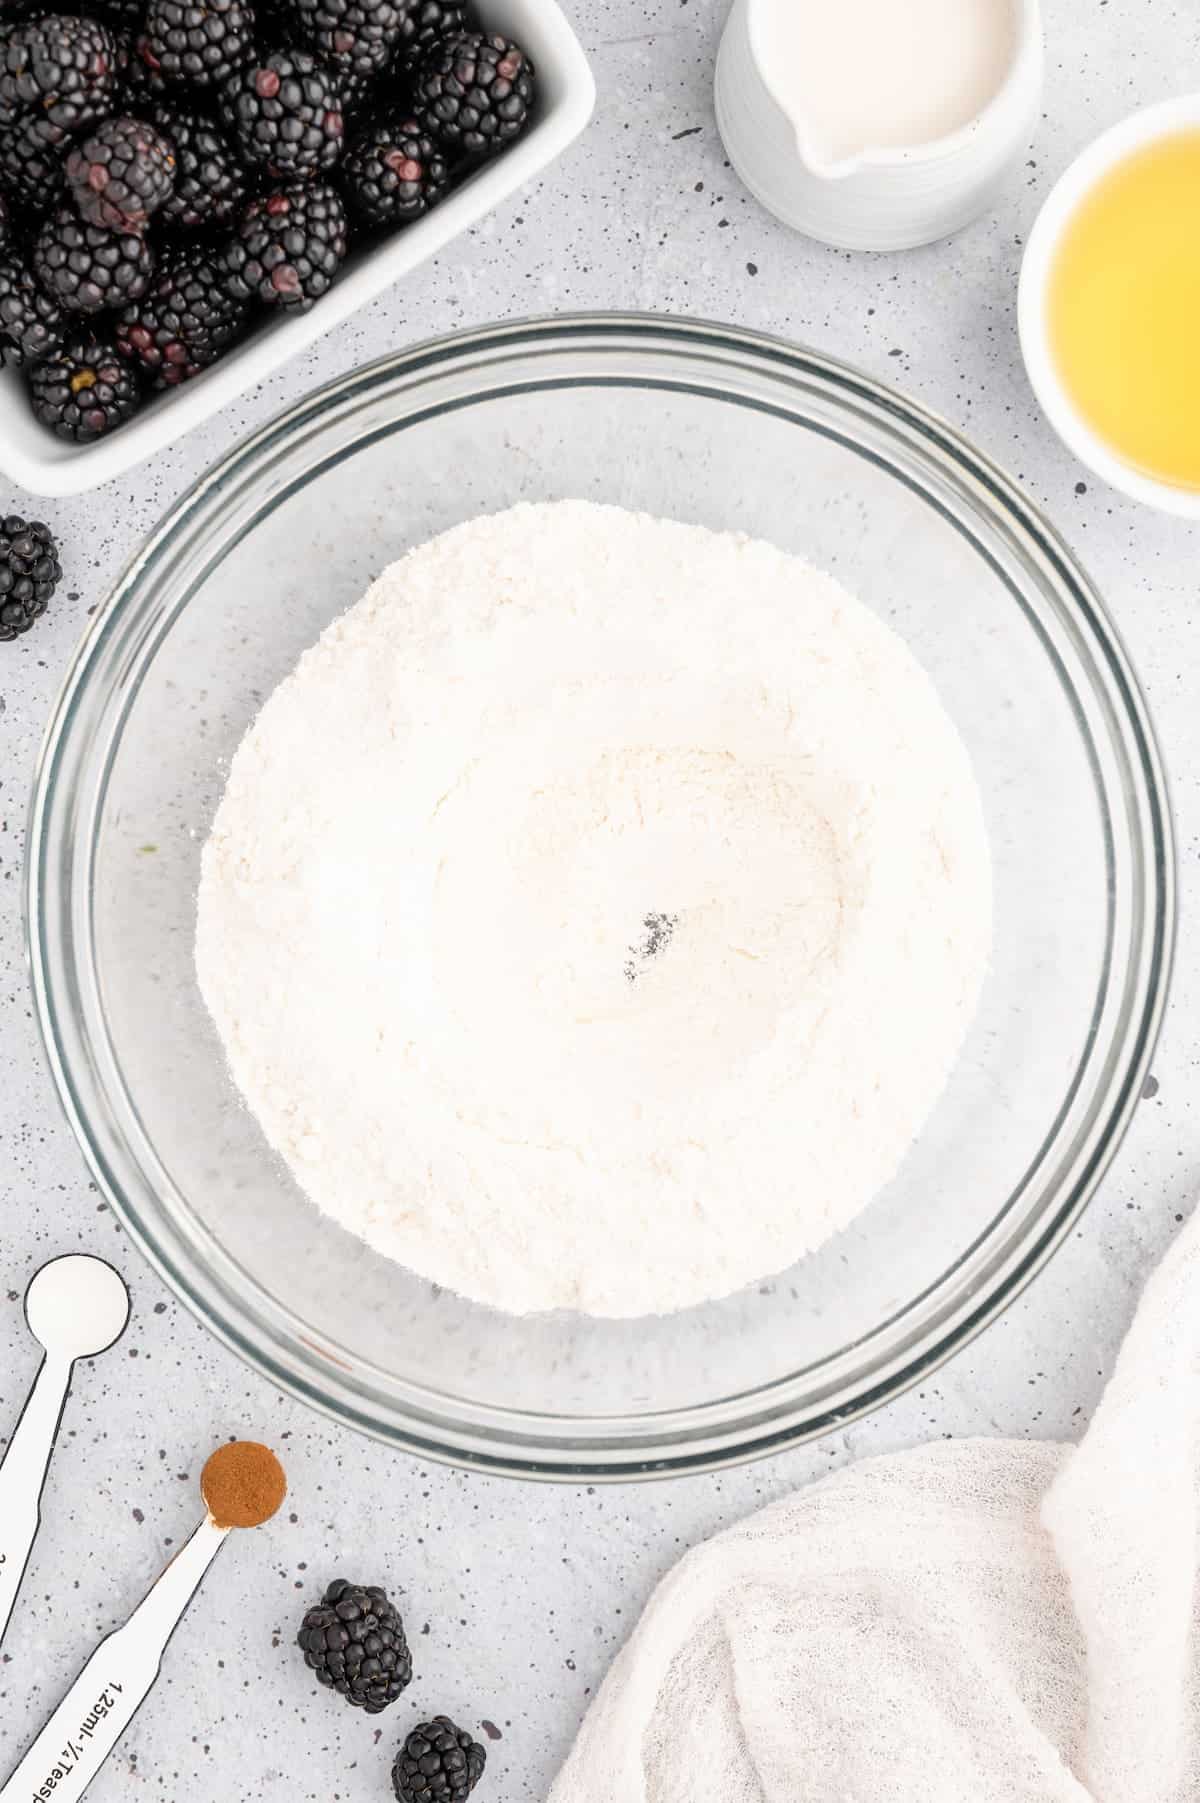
31, 324
286, 113
353, 1640
183, 322
438, 1763
31, 165
288, 247
426, 25
359, 36
139, 83
210, 181
6, 224
473, 93
358, 90
82, 390
392, 173
84, 267
122, 56
29, 573
121, 174
62, 68
196, 41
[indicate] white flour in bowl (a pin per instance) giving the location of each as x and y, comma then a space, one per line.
594, 915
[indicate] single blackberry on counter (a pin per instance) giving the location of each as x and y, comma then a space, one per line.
29, 573
392, 173
356, 35
31, 323
31, 163
285, 111
85, 268
353, 1641
438, 1763
288, 247
83, 390
200, 42
210, 179
183, 322
62, 68
474, 93
426, 25
121, 174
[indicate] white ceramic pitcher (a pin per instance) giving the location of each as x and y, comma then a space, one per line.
877, 199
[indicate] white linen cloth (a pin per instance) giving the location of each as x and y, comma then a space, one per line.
985, 1621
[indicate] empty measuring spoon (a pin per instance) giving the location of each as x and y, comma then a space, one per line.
97, 1709
75, 1306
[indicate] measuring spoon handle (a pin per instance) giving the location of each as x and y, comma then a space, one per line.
23, 1476
106, 1695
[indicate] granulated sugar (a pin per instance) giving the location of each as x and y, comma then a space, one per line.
593, 917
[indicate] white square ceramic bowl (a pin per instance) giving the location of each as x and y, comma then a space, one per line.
33, 457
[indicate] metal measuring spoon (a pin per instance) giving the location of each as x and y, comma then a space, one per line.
75, 1306
113, 1684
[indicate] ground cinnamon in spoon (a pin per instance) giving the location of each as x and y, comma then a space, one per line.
242, 1484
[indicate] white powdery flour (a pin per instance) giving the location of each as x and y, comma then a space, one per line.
594, 915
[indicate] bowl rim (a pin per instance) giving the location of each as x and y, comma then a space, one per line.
1148, 125
597, 1448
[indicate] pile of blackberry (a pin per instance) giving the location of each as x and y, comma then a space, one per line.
172, 171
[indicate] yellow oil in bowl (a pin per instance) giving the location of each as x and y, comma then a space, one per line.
1124, 309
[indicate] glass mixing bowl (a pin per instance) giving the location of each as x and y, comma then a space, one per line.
701, 423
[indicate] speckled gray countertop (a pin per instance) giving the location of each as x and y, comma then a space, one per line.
516, 1595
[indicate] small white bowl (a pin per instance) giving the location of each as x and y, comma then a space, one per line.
46, 465
1112, 147
880, 199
